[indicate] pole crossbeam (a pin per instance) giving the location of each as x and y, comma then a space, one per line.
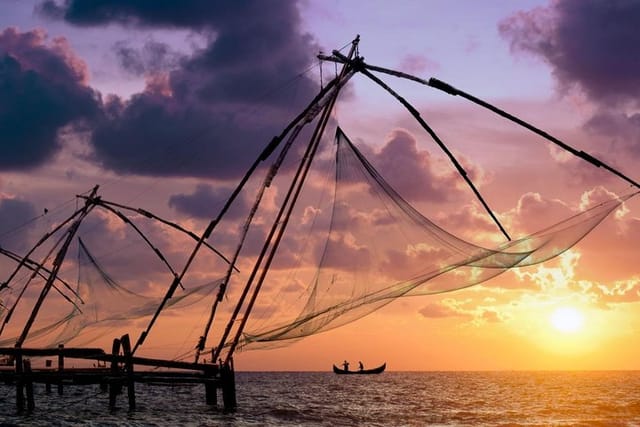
266, 153
282, 219
451, 90
359, 65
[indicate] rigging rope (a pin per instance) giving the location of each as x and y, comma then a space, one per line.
380, 248
277, 230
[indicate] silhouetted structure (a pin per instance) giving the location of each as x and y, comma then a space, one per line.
322, 312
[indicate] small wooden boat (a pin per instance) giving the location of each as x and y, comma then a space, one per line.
377, 370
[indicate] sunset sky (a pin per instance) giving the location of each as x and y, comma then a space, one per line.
165, 107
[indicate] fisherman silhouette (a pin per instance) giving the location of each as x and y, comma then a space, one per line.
345, 364
360, 366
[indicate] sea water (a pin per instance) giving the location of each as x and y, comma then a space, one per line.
325, 399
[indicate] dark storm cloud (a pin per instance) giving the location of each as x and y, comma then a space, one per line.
153, 134
617, 128
165, 13
152, 57
205, 202
590, 43
14, 215
594, 46
414, 172
114, 244
410, 169
230, 89
42, 90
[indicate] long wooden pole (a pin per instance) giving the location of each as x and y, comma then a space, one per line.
443, 147
451, 90
106, 204
267, 181
438, 84
360, 66
43, 239
36, 267
205, 235
293, 193
57, 263
245, 230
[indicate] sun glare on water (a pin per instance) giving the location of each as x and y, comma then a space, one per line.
567, 319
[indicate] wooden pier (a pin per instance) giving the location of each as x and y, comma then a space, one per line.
113, 373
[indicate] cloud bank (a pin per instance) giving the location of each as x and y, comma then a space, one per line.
43, 86
591, 46
207, 113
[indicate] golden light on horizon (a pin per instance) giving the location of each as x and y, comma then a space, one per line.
567, 319
563, 329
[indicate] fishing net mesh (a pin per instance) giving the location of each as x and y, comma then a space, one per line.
374, 247
103, 306
379, 248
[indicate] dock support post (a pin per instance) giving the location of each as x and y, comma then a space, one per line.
210, 392
19, 383
211, 384
48, 383
114, 384
60, 368
28, 381
128, 364
227, 378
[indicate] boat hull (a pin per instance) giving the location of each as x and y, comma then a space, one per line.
378, 370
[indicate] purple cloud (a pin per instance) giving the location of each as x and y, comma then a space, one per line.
205, 202
14, 215
190, 14
204, 121
588, 43
152, 57
417, 64
618, 128
411, 171
593, 46
43, 90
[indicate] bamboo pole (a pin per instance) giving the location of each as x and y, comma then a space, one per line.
114, 384
207, 233
28, 382
19, 383
277, 230
60, 367
57, 263
128, 366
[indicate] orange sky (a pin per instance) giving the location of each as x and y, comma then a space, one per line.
503, 56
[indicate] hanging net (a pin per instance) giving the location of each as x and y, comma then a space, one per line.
102, 306
380, 248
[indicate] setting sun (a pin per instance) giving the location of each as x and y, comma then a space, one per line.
567, 319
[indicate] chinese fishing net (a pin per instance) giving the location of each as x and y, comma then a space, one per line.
380, 248
101, 305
